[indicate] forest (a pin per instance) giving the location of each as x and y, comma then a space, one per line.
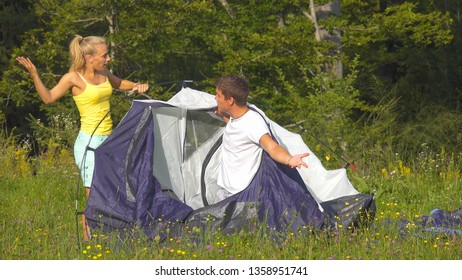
364, 78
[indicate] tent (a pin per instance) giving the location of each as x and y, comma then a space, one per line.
159, 168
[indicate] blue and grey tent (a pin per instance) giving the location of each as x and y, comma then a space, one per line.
159, 167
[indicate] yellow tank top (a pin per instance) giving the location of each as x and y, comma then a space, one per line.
93, 104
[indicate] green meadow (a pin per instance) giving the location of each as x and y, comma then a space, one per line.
40, 197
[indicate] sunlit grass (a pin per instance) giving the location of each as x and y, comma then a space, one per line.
38, 218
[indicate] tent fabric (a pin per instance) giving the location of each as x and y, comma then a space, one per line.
441, 221
124, 192
159, 167
438, 221
276, 195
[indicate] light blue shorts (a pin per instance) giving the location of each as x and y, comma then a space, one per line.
85, 159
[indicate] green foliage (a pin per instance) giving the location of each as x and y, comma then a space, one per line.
161, 47
15, 156
407, 64
399, 44
435, 127
60, 132
15, 19
400, 24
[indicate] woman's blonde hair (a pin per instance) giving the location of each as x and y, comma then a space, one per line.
80, 46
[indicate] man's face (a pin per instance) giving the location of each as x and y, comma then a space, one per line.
222, 103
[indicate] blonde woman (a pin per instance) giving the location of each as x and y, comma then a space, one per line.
91, 85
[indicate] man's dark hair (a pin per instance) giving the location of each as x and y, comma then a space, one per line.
234, 86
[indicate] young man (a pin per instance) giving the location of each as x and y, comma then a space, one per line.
246, 136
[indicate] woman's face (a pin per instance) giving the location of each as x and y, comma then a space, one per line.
101, 58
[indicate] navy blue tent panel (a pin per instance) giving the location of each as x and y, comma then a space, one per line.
124, 193
441, 221
349, 212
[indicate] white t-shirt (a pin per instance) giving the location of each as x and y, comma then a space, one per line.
241, 152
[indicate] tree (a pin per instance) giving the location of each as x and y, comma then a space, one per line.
408, 53
14, 20
322, 33
397, 43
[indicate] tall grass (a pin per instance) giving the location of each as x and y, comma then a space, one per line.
38, 216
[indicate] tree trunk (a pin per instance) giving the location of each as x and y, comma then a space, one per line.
111, 18
227, 8
321, 34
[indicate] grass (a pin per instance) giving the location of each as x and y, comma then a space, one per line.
38, 218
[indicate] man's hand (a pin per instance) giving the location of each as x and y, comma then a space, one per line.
222, 115
297, 160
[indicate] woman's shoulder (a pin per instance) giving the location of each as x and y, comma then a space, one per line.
74, 79
71, 75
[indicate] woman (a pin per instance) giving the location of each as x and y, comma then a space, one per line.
91, 85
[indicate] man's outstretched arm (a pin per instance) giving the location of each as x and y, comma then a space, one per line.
280, 154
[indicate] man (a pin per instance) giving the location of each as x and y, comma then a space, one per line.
246, 136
